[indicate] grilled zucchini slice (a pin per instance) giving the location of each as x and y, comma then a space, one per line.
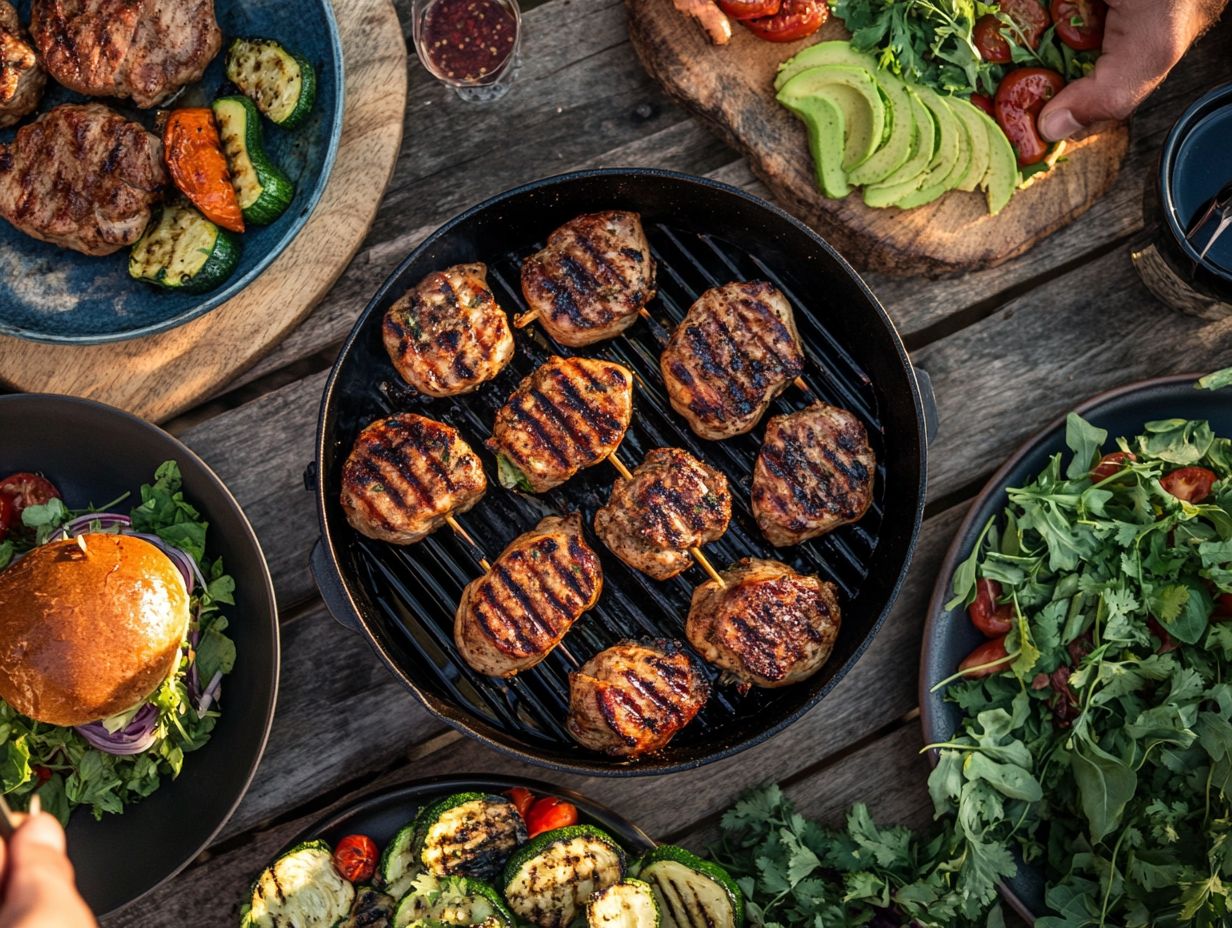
263, 190
549, 881
281, 83
371, 909
452, 900
184, 251
692, 893
301, 889
468, 834
399, 866
627, 904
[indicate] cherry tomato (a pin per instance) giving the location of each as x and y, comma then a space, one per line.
1080, 23
986, 615
7, 515
986, 653
1192, 484
749, 9
984, 102
1111, 464
28, 489
1020, 97
1031, 18
990, 42
43, 773
355, 858
522, 799
794, 20
549, 813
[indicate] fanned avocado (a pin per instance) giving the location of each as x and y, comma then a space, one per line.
855, 93
923, 145
933, 183
824, 123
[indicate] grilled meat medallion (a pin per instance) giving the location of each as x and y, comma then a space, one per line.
567, 414
633, 698
22, 78
143, 49
83, 177
769, 626
593, 278
447, 335
673, 503
814, 473
405, 475
514, 615
736, 349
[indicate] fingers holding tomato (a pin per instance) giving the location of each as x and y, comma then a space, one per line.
1021, 96
794, 20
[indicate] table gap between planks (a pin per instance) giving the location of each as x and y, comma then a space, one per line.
1008, 349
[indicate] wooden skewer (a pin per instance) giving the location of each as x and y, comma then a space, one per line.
466, 536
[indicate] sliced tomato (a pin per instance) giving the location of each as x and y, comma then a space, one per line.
7, 515
550, 813
1020, 98
1192, 484
522, 799
355, 858
990, 42
987, 659
794, 20
1111, 464
1080, 23
984, 102
1030, 16
986, 614
749, 9
23, 490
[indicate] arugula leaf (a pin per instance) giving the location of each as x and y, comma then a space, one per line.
1085, 440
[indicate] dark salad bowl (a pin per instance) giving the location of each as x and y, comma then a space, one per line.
949, 635
93, 454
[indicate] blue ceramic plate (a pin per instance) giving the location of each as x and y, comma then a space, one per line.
949, 636
52, 294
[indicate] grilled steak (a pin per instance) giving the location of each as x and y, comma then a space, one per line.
813, 474
405, 475
83, 177
768, 626
673, 503
593, 278
22, 78
514, 615
735, 350
143, 49
569, 413
448, 335
633, 698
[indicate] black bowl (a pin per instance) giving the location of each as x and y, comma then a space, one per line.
949, 636
93, 453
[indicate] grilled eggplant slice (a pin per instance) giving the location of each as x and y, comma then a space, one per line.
468, 834
371, 909
691, 892
549, 881
263, 190
399, 866
452, 900
281, 83
627, 904
301, 889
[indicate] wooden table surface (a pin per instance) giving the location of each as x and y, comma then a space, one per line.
1008, 350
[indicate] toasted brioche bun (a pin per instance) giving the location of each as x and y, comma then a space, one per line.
86, 634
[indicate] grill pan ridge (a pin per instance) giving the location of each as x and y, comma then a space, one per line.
702, 234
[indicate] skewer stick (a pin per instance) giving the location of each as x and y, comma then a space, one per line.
465, 536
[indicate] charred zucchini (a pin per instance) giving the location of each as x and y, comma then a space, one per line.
549, 881
301, 889
452, 900
399, 866
184, 251
468, 834
627, 904
280, 82
263, 190
692, 893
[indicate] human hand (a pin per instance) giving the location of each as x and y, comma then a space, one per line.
1143, 40
36, 879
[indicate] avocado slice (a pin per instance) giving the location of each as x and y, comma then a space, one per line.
823, 53
923, 144
977, 166
940, 180
824, 122
932, 183
855, 93
900, 133
1002, 177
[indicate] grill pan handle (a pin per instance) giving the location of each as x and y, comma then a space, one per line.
932, 418
331, 591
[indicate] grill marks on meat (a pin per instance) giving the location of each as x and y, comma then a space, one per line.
674, 502
405, 475
567, 414
448, 335
143, 49
814, 473
736, 349
769, 626
22, 78
82, 177
593, 278
632, 698
512, 617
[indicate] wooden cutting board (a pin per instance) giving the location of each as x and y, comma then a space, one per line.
162, 375
732, 88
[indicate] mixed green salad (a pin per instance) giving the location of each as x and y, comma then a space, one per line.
108, 764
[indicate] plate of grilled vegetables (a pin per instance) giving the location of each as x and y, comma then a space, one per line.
620, 471
487, 852
155, 156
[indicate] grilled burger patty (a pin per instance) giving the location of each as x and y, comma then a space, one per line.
22, 78
514, 615
405, 475
593, 278
83, 177
768, 626
567, 414
447, 335
736, 349
143, 49
634, 697
674, 502
814, 473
